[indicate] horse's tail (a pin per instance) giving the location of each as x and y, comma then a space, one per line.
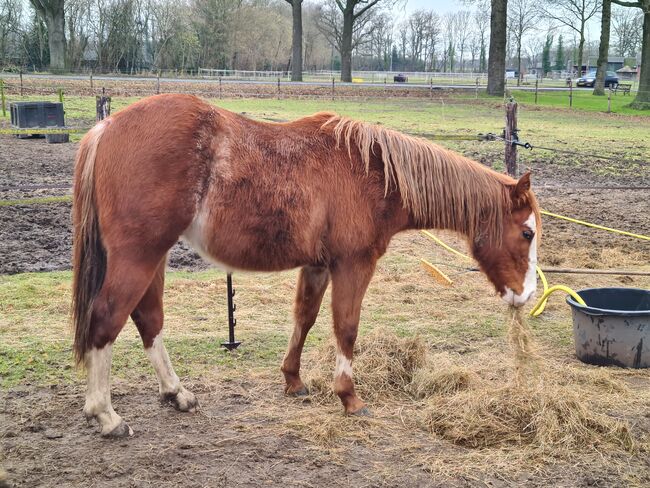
89, 255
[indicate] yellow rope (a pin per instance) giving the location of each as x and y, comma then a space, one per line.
595, 226
448, 248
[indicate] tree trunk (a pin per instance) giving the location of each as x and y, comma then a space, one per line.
346, 45
603, 48
497, 59
52, 12
296, 41
642, 99
581, 50
55, 22
519, 62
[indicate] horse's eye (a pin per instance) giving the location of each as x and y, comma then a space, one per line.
528, 235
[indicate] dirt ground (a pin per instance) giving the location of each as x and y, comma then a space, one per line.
46, 442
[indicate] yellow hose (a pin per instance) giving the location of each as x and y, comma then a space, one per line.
537, 309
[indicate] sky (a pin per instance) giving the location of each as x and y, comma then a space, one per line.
439, 6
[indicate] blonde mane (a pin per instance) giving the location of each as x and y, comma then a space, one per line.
441, 189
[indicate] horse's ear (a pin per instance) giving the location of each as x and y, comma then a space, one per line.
522, 186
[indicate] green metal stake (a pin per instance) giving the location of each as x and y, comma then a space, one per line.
2, 96
60, 92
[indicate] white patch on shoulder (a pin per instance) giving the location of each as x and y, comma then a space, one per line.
195, 236
343, 366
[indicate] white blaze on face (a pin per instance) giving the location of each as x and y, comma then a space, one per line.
343, 366
530, 279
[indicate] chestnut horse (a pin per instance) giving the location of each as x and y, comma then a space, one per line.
323, 193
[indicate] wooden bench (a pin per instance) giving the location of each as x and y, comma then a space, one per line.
624, 87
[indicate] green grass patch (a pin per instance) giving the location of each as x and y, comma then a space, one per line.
35, 201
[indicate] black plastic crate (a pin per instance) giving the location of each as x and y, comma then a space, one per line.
27, 115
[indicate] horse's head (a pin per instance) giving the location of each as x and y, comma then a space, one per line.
510, 262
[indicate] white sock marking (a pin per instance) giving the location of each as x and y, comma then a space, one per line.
98, 393
167, 379
343, 366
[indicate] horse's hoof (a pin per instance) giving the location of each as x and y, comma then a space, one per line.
120, 432
183, 401
300, 392
362, 412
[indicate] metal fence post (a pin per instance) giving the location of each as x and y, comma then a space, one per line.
21, 82
60, 92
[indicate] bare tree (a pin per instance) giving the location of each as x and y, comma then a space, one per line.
296, 40
353, 11
573, 14
333, 26
53, 14
522, 19
642, 99
10, 20
626, 26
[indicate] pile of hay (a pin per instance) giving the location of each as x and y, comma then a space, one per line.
474, 402
548, 416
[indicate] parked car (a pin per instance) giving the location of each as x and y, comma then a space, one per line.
590, 79
400, 78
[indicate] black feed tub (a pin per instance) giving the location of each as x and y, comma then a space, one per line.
614, 328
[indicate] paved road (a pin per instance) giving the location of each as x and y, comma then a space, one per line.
396, 86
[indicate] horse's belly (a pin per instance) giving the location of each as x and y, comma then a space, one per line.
251, 244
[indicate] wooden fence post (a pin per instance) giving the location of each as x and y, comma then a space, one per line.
278, 88
477, 87
91, 79
3, 102
103, 106
21, 82
536, 89
570, 93
332, 88
220, 94
609, 100
158, 83
510, 135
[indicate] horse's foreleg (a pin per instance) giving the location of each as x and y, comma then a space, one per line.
312, 284
349, 283
148, 317
123, 287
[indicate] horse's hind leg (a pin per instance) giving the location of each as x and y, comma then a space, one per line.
126, 281
148, 317
312, 284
